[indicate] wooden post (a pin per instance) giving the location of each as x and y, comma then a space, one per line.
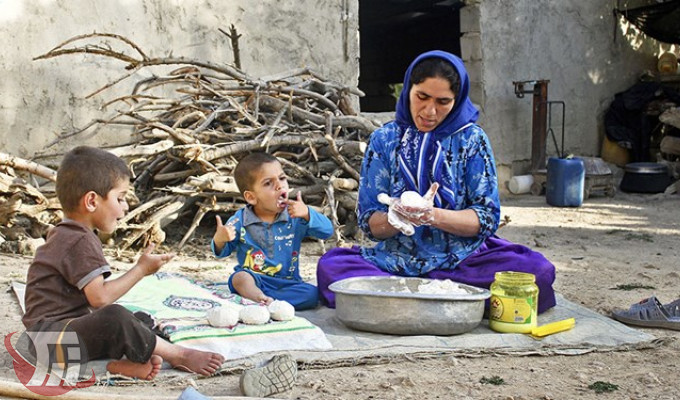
539, 128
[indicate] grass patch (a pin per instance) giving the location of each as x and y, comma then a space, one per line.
632, 286
494, 380
603, 387
645, 237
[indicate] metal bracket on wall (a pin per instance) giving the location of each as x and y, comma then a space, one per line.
539, 127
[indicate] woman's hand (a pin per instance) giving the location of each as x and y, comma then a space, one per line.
418, 214
393, 218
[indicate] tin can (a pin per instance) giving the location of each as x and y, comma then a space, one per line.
513, 307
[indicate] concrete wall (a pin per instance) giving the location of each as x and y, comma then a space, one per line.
41, 99
570, 43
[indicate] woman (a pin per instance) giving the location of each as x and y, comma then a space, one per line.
434, 148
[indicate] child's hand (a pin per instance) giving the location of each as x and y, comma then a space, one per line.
298, 208
224, 233
150, 263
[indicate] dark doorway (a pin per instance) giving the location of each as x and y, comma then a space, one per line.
392, 33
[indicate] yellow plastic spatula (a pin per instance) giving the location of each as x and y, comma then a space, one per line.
553, 327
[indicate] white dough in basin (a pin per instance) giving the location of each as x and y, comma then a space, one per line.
446, 286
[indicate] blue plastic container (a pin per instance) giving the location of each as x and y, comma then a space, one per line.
565, 181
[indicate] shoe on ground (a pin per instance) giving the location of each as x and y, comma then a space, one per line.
651, 313
277, 376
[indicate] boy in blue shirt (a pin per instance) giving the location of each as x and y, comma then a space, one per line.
266, 235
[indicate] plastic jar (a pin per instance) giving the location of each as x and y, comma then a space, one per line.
513, 307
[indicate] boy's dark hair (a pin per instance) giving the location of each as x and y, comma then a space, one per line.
436, 68
248, 166
85, 169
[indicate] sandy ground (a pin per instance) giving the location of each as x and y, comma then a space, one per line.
609, 253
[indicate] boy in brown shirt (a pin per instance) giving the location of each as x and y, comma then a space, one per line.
66, 286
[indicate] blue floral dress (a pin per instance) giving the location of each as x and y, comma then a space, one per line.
467, 174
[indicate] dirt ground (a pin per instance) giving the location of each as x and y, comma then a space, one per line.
609, 253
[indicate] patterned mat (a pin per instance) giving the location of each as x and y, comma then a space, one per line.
178, 305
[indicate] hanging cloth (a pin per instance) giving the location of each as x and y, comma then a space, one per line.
660, 21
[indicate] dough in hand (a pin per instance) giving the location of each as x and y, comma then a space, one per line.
254, 315
413, 199
281, 310
223, 316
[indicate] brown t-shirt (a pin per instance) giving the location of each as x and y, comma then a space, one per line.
70, 258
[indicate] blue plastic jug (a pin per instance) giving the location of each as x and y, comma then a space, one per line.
565, 181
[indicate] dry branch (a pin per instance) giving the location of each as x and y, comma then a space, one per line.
191, 126
29, 166
234, 37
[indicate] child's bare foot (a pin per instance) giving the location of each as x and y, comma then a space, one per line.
156, 364
264, 299
200, 362
146, 371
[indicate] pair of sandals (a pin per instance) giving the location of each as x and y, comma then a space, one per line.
651, 313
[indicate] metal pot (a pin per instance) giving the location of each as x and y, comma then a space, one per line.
645, 177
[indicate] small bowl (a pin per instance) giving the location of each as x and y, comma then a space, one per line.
394, 305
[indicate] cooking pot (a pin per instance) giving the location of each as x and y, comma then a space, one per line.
645, 177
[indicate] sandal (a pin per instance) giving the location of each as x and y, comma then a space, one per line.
673, 308
651, 313
277, 376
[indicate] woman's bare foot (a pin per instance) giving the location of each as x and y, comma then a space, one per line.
200, 362
146, 371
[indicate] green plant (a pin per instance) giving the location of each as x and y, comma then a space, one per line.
632, 286
395, 88
603, 387
494, 380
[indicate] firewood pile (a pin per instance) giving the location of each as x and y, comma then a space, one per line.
26, 213
190, 127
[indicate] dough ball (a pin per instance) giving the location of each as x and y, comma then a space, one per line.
223, 316
413, 199
281, 310
254, 315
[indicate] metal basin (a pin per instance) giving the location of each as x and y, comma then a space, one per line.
395, 305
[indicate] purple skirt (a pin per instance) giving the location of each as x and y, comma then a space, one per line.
478, 269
